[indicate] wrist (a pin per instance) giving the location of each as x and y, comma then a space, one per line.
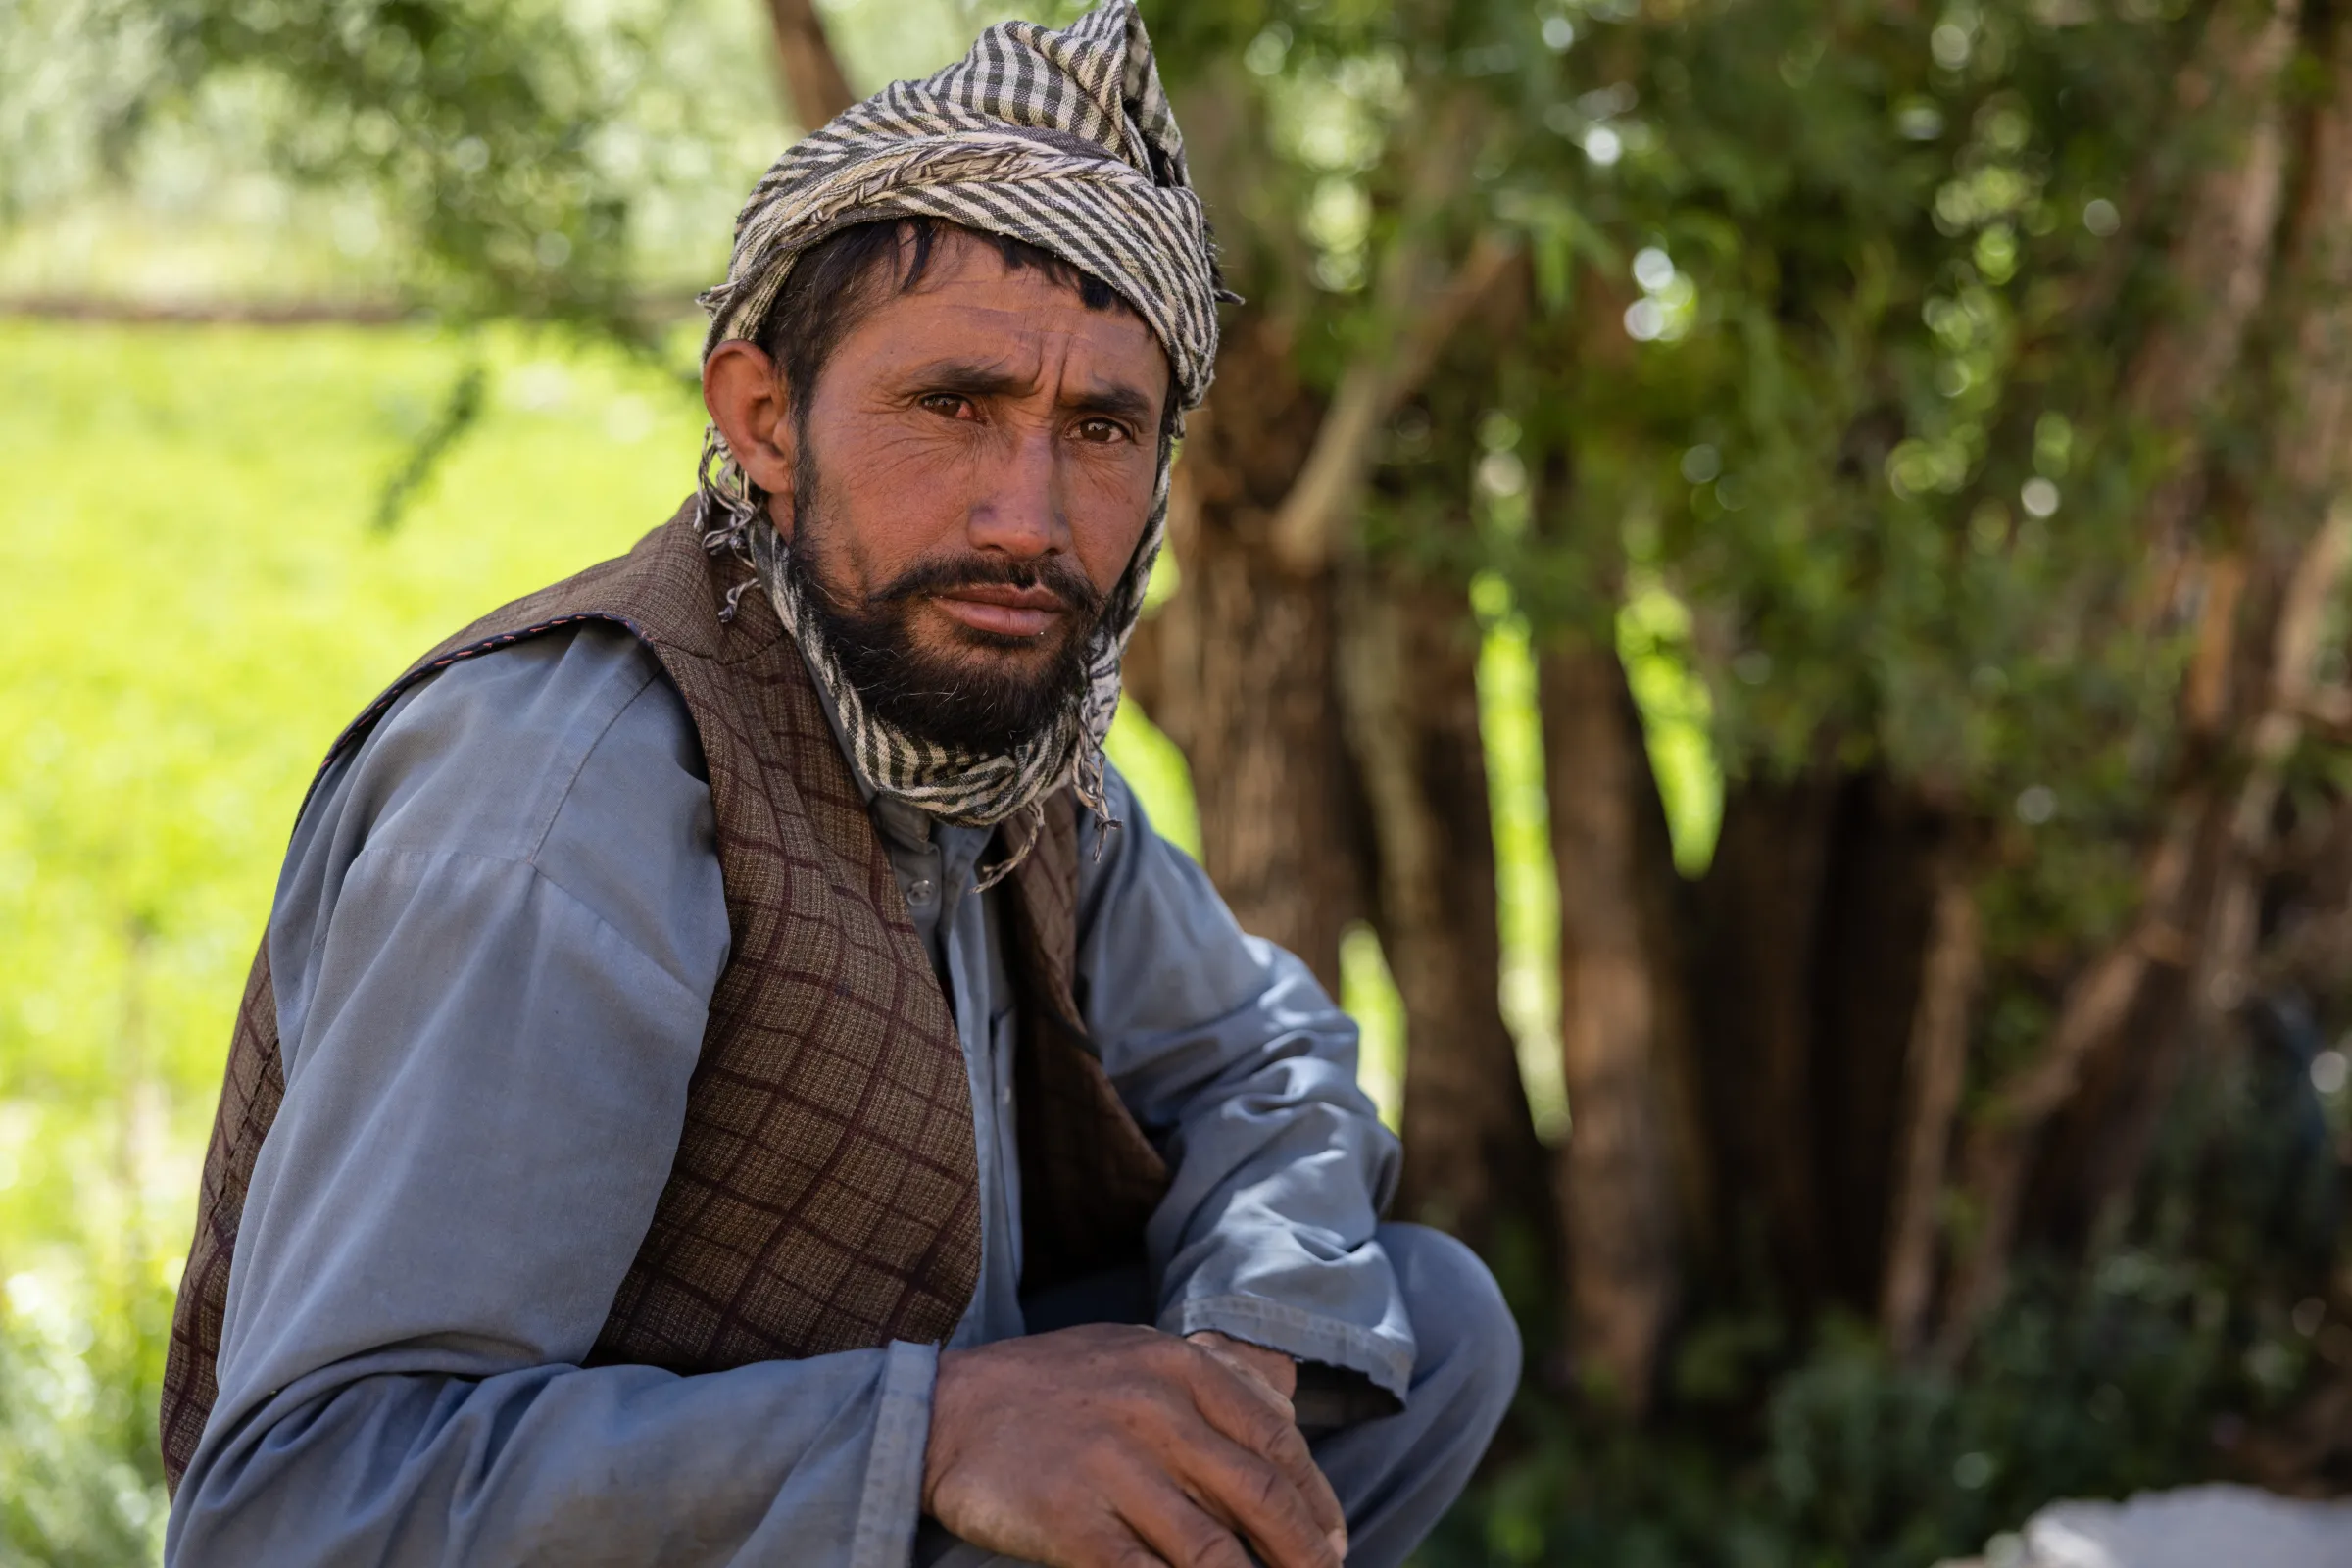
939, 1446
1276, 1369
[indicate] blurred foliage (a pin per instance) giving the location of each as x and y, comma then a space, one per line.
2095, 1387
473, 159
477, 121
482, 141
1817, 409
1827, 304
2143, 1371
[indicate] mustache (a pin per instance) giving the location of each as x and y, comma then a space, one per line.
1053, 574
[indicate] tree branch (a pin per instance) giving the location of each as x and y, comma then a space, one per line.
812, 75
2307, 500
2222, 250
1934, 1071
2197, 897
1307, 528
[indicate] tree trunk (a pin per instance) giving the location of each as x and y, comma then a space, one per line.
2084, 1104
1934, 1071
1822, 976
2222, 248
1890, 873
2131, 1020
1408, 679
1633, 1171
1239, 670
814, 80
1758, 927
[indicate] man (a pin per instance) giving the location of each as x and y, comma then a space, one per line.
732, 1076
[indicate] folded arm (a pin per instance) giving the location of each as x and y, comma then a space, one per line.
1231, 1055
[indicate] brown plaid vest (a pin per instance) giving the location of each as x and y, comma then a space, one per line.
825, 1193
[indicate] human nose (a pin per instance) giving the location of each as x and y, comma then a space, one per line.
1020, 512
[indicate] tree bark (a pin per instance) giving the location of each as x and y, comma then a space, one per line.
2222, 248
1889, 868
1239, 670
1633, 1172
2126, 1023
813, 79
1758, 927
1934, 1071
2306, 503
1408, 680
1826, 963
2291, 535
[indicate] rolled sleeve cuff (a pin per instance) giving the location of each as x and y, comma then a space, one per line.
892, 1499
1293, 1331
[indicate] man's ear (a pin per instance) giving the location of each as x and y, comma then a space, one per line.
747, 400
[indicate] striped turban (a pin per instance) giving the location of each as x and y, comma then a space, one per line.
1061, 139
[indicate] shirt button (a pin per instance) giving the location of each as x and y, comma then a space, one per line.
922, 891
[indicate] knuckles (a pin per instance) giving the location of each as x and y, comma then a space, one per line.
1109, 1413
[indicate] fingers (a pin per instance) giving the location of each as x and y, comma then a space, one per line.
1116, 1547
1258, 1420
1251, 1496
1180, 1530
1109, 1447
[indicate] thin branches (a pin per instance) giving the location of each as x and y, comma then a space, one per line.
1307, 528
812, 75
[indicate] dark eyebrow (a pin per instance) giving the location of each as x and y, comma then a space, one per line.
975, 378
971, 377
1116, 401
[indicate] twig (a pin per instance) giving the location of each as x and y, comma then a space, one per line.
1379, 379
812, 73
460, 413
1934, 1067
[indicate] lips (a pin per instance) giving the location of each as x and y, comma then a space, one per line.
1005, 609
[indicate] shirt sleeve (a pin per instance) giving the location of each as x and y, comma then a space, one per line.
494, 946
1231, 1056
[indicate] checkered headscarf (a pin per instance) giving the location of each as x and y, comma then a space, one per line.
1061, 139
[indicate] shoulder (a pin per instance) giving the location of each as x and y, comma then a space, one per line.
566, 761
484, 757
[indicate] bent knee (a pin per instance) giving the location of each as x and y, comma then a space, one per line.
1462, 1328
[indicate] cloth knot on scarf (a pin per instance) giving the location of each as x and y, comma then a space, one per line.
1061, 139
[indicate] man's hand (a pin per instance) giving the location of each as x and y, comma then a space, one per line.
1112, 1447
1274, 1369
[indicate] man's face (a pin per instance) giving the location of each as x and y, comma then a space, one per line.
969, 481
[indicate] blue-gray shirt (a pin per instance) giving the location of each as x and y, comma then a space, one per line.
494, 946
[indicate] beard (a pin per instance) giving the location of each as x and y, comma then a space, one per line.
966, 699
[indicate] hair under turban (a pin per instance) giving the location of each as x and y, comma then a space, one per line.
1062, 139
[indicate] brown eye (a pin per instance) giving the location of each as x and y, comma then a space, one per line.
954, 405
1103, 430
